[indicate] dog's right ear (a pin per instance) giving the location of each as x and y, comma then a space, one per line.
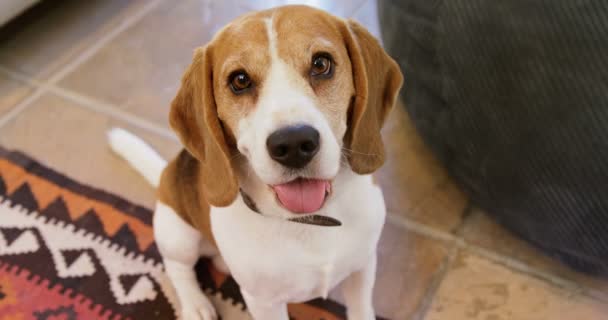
194, 118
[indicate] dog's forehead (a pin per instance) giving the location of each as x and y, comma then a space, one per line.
294, 29
243, 43
301, 23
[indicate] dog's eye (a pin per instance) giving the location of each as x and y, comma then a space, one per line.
321, 66
239, 81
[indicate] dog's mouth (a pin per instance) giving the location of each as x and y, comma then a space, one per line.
303, 195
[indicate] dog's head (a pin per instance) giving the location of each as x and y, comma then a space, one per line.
298, 92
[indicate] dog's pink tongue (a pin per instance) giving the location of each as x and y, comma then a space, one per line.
302, 195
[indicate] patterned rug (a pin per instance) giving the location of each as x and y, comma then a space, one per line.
69, 251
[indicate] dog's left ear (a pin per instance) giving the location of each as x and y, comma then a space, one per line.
194, 118
377, 79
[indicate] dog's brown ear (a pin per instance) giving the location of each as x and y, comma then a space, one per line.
194, 118
377, 79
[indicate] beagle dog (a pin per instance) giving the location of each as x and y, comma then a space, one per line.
280, 116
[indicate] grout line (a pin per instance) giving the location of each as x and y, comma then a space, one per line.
81, 101
509, 262
115, 112
38, 91
19, 76
42, 88
420, 228
90, 51
423, 308
19, 107
523, 267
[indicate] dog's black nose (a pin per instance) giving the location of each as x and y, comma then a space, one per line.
293, 146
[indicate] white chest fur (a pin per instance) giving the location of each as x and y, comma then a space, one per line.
282, 261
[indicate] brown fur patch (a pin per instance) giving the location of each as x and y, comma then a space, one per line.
180, 188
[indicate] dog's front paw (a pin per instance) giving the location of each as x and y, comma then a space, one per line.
198, 307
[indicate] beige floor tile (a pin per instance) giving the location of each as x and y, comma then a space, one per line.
477, 289
482, 231
407, 264
11, 93
72, 140
414, 183
55, 32
140, 70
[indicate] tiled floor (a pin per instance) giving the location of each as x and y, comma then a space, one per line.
81, 67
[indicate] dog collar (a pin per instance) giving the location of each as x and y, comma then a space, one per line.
315, 219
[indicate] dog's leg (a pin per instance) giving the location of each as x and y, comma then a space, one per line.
262, 310
208, 250
180, 246
220, 264
358, 289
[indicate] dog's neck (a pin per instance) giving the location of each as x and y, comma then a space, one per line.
315, 219
261, 200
